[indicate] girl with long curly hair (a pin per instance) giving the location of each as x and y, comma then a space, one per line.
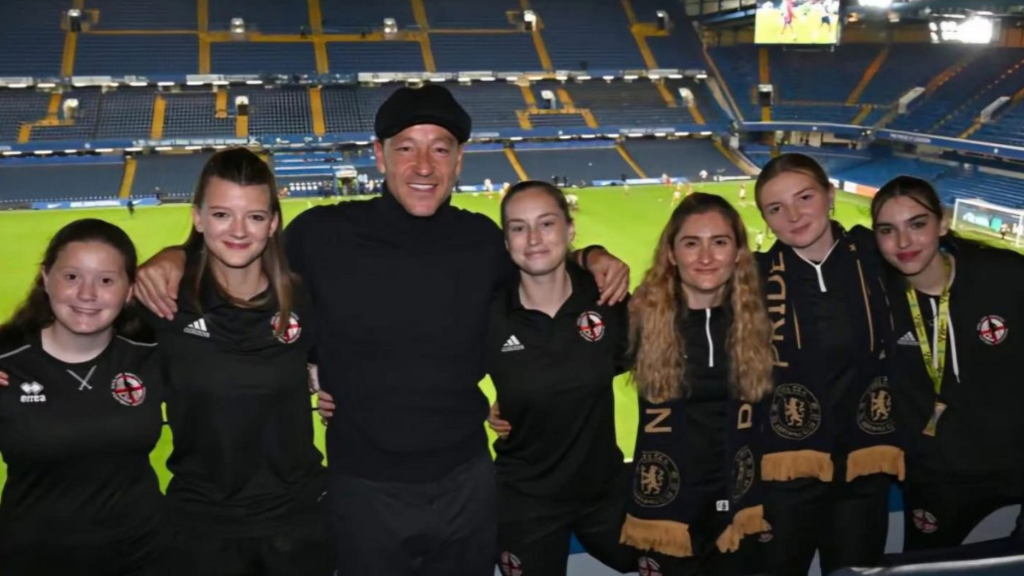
700, 337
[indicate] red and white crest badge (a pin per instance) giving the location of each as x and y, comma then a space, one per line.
925, 521
992, 330
510, 564
128, 389
591, 326
648, 566
292, 333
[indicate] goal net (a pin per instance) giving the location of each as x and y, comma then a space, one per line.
987, 219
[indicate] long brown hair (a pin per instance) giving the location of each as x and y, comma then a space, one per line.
655, 339
35, 312
242, 167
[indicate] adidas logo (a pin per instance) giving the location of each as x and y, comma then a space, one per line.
512, 345
908, 339
198, 328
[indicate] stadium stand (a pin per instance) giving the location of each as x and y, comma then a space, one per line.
126, 113
262, 58
350, 109
31, 41
504, 52
960, 120
277, 111
345, 16
38, 180
471, 14
172, 175
194, 113
84, 125
817, 76
628, 104
682, 157
582, 162
911, 65
1007, 129
387, 56
17, 106
479, 165
591, 35
100, 55
266, 16
739, 68
681, 47
491, 105
142, 15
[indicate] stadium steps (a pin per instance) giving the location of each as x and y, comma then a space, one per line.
629, 160
67, 63
516, 165
130, 167
316, 108
864, 111
241, 126
538, 40
974, 128
523, 117
972, 101
764, 77
740, 161
947, 74
156, 131
869, 74
316, 26
720, 88
419, 12
1010, 107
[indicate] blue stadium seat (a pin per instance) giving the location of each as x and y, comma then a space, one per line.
127, 113
909, 66
628, 104
739, 68
576, 164
262, 58
390, 56
31, 40
494, 52
137, 55
557, 121
17, 106
479, 166
352, 110
52, 182
277, 111
680, 158
470, 13
266, 16
175, 175
591, 32
347, 16
85, 123
192, 114
144, 15
491, 104
964, 116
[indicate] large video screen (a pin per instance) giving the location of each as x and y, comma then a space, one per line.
797, 22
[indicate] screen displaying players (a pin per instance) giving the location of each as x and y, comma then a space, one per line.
797, 22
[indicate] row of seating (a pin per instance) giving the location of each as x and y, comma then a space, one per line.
128, 112
174, 175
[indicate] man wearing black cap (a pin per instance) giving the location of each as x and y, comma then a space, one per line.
402, 285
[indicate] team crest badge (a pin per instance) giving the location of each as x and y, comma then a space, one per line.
128, 389
743, 469
874, 411
292, 333
795, 412
591, 326
925, 521
992, 330
648, 566
510, 565
656, 482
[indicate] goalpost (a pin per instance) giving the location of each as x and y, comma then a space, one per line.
989, 219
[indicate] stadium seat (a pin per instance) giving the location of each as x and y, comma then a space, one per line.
175, 175
53, 181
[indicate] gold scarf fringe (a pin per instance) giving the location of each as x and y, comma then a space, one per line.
782, 466
663, 536
875, 460
746, 521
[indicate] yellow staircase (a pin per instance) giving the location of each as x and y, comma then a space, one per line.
316, 107
156, 131
538, 40
864, 111
869, 74
130, 167
514, 161
765, 77
629, 160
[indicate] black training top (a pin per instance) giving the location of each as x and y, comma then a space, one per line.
76, 439
240, 411
979, 434
554, 382
402, 303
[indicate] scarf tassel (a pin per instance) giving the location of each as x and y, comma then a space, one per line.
875, 460
782, 466
663, 536
747, 521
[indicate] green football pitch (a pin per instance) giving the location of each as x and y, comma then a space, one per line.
628, 225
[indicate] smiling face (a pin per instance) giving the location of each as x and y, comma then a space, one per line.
420, 165
908, 234
705, 253
537, 232
796, 208
236, 222
87, 286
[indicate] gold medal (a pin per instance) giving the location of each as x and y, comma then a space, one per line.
933, 422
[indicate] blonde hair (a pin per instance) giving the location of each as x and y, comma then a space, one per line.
655, 340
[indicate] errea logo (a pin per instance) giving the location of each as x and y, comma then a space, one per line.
33, 393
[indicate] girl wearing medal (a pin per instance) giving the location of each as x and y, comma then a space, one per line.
829, 442
956, 307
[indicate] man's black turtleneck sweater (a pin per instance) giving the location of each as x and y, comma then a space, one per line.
401, 304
